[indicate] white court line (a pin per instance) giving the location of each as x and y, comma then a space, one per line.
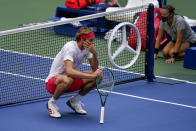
176, 79
88, 64
45, 57
16, 52
150, 99
118, 93
24, 76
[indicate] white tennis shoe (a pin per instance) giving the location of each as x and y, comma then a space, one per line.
77, 107
53, 110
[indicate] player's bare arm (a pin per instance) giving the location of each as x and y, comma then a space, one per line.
71, 72
157, 44
178, 41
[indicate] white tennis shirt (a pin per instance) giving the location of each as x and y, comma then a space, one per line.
72, 52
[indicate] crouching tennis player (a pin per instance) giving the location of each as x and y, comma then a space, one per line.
65, 76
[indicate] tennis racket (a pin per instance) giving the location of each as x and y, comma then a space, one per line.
104, 86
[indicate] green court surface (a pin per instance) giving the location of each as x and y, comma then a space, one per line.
18, 12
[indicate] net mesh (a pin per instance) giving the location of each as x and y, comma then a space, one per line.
105, 83
26, 56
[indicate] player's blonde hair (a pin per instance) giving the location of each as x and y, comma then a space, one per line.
82, 31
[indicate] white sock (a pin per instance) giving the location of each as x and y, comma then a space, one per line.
52, 100
76, 98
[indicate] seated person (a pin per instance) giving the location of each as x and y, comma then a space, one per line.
181, 33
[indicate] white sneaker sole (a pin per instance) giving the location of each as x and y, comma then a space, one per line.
50, 113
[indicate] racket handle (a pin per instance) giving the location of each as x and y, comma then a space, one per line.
102, 115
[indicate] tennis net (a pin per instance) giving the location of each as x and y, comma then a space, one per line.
27, 53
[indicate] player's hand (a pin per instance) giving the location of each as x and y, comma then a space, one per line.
97, 73
171, 60
89, 46
155, 56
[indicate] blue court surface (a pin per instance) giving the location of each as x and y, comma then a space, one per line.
136, 106
163, 105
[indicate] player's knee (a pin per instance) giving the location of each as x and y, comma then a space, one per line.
65, 81
100, 79
93, 81
170, 52
68, 81
165, 52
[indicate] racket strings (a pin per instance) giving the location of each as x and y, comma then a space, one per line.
106, 84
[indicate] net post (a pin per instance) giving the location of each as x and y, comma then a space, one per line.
150, 44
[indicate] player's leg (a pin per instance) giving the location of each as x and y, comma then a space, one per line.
181, 52
167, 49
63, 82
74, 103
183, 47
87, 85
57, 86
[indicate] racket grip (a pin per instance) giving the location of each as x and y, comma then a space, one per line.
102, 115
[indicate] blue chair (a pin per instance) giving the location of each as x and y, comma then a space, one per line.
189, 58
